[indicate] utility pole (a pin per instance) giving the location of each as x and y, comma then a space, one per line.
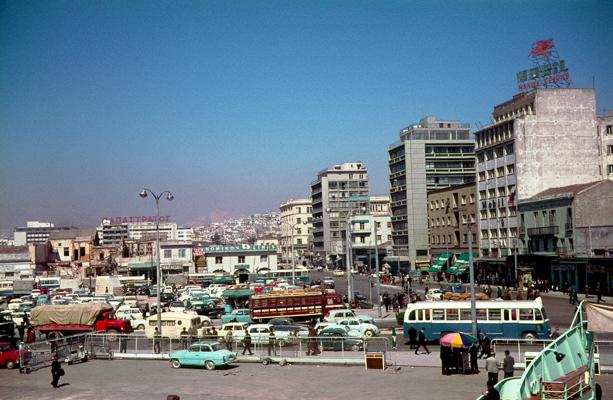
473, 298
377, 269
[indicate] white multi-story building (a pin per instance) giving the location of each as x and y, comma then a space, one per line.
542, 139
113, 234
605, 131
34, 232
296, 228
338, 192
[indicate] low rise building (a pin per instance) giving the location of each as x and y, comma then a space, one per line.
240, 260
176, 257
15, 263
568, 235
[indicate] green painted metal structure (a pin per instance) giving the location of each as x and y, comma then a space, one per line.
563, 370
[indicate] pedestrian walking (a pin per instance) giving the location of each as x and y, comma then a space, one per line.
421, 341
412, 338
485, 345
184, 338
312, 348
491, 366
56, 371
394, 342
598, 293
272, 342
474, 351
247, 344
508, 364
157, 338
571, 297
229, 341
123, 344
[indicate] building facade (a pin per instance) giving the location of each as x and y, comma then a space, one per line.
542, 139
430, 155
567, 235
34, 232
240, 260
605, 132
296, 229
15, 263
176, 257
338, 192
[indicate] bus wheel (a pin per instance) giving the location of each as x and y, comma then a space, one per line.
528, 336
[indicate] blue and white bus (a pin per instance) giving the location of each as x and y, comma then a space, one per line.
48, 282
499, 318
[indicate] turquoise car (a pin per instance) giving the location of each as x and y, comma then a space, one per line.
238, 315
210, 355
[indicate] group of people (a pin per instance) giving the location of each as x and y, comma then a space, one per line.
394, 302
417, 340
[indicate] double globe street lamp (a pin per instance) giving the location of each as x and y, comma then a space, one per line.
157, 197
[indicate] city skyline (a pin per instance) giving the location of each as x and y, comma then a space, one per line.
235, 107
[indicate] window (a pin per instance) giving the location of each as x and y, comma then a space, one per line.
167, 253
494, 314
182, 253
471, 198
241, 259
438, 314
425, 316
82, 252
362, 239
218, 260
526, 314
481, 314
361, 226
298, 220
299, 241
610, 168
609, 130
66, 252
465, 315
452, 314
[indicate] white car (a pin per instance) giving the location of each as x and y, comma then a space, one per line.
238, 330
434, 294
364, 328
335, 315
137, 321
339, 273
260, 334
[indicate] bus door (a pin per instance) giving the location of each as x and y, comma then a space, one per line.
509, 323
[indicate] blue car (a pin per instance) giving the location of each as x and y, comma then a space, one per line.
209, 355
238, 315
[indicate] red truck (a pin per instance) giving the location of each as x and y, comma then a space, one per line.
60, 320
299, 304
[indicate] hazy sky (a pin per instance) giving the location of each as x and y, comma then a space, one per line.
235, 105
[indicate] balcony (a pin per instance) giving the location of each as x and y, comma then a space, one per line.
543, 231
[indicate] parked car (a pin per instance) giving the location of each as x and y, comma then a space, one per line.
434, 294
287, 325
456, 288
9, 355
337, 339
335, 315
357, 296
176, 306
237, 315
260, 334
364, 328
238, 330
208, 309
209, 355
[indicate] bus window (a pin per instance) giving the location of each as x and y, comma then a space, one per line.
526, 314
465, 315
452, 314
438, 315
494, 314
412, 315
425, 315
481, 314
537, 315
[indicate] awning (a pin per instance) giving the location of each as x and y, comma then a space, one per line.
461, 264
437, 265
142, 265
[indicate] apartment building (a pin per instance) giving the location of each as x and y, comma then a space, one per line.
430, 155
336, 194
605, 132
34, 232
541, 139
296, 230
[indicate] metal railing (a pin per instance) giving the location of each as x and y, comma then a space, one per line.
328, 348
519, 348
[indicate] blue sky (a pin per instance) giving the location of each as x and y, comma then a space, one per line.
235, 105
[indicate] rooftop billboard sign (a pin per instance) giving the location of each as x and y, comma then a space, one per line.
547, 71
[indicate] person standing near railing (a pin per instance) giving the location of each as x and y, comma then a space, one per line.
157, 338
508, 364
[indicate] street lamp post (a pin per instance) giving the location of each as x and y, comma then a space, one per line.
157, 198
473, 298
348, 266
377, 269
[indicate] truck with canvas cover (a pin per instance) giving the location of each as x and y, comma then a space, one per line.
57, 321
299, 304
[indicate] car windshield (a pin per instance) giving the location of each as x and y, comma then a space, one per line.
216, 347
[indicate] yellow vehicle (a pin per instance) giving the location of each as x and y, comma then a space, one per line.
173, 324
